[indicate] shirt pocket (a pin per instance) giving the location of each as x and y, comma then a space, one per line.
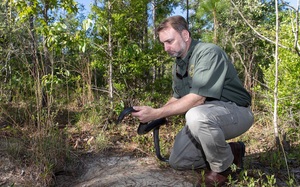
183, 86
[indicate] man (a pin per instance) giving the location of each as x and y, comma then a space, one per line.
206, 88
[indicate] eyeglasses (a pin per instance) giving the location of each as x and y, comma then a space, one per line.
179, 76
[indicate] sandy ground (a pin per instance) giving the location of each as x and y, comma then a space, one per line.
115, 169
111, 168
127, 171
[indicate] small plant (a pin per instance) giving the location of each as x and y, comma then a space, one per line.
101, 142
291, 182
271, 181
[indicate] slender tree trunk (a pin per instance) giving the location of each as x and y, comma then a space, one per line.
110, 73
46, 67
154, 36
7, 92
187, 11
216, 25
36, 74
296, 29
275, 122
88, 80
154, 19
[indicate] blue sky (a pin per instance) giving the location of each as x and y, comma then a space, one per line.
87, 3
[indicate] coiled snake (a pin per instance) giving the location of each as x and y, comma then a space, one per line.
145, 128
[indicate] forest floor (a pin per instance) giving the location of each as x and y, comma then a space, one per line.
127, 164
113, 168
125, 169
116, 167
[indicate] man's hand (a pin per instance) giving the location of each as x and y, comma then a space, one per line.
145, 113
173, 107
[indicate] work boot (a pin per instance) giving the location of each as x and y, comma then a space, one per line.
238, 151
214, 179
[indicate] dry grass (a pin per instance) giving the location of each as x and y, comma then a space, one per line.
86, 131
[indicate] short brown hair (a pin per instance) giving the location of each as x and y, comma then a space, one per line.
178, 23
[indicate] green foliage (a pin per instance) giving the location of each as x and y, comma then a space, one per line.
96, 114
50, 51
251, 181
289, 69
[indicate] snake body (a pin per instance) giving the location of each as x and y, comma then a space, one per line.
147, 127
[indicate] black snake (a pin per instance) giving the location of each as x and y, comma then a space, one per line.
145, 128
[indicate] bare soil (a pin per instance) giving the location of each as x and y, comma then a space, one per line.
117, 167
128, 170
109, 169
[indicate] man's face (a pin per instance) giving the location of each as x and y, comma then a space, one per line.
174, 42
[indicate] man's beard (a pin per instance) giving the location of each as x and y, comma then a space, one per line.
175, 54
178, 53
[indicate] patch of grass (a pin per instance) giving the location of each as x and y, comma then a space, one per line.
101, 142
14, 147
89, 131
45, 154
49, 153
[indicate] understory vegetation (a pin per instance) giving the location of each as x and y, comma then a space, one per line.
65, 77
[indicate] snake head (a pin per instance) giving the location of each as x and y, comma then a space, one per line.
124, 113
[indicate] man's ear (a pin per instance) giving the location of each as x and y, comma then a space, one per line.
185, 34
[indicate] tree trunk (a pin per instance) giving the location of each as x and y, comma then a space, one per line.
216, 25
110, 51
275, 122
36, 74
154, 37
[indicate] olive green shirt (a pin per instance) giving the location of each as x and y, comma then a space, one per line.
207, 71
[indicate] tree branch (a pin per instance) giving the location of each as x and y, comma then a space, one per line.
256, 32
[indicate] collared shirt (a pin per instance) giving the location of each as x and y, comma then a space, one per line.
207, 71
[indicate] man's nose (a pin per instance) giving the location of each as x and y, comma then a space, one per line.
167, 47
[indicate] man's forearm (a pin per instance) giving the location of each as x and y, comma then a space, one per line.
171, 100
180, 106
